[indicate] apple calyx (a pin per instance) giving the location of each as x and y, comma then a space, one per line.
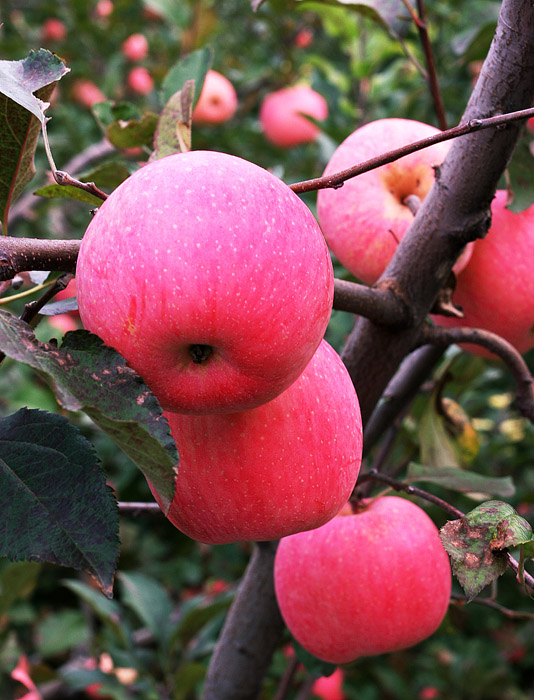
200, 353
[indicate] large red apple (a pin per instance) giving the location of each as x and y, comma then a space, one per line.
283, 115
283, 467
364, 220
217, 101
211, 277
365, 583
496, 289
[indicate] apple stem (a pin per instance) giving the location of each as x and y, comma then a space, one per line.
200, 353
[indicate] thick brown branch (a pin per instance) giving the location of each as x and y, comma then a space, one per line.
381, 305
442, 337
467, 127
21, 254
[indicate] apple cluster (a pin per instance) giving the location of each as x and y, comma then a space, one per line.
213, 280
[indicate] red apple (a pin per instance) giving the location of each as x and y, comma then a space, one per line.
283, 115
53, 29
365, 583
283, 467
217, 102
86, 93
429, 692
139, 80
330, 687
304, 38
496, 289
211, 277
364, 220
135, 47
103, 8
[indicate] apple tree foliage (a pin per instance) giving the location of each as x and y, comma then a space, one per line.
78, 429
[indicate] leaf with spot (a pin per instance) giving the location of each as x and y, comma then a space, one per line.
88, 376
25, 87
173, 134
477, 542
55, 505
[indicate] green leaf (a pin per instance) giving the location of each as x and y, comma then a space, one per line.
462, 480
133, 133
186, 679
521, 175
54, 502
68, 192
389, 14
60, 631
108, 175
17, 580
173, 134
22, 113
149, 600
476, 543
315, 667
197, 616
194, 67
176, 13
107, 113
108, 611
87, 375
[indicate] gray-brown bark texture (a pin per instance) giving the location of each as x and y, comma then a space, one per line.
455, 212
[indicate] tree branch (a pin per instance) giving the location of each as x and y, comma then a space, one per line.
442, 337
21, 254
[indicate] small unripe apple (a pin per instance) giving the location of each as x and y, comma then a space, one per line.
364, 220
283, 467
283, 115
87, 93
53, 29
217, 102
366, 583
139, 80
135, 47
329, 687
211, 277
496, 289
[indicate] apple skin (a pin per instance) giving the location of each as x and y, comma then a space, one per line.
139, 80
496, 289
364, 584
280, 468
364, 220
330, 687
281, 115
86, 93
204, 248
217, 102
135, 47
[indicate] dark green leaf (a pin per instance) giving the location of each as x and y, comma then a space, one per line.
107, 175
108, 611
173, 134
149, 600
108, 113
60, 631
133, 133
186, 679
521, 175
315, 667
87, 375
54, 502
194, 67
17, 580
22, 113
197, 616
68, 192
476, 542
462, 480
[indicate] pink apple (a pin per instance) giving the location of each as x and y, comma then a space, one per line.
283, 115
103, 8
139, 80
211, 277
53, 29
285, 466
217, 102
135, 47
365, 583
496, 289
86, 93
364, 220
304, 38
329, 687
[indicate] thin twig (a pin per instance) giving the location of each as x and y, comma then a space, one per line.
441, 336
460, 601
139, 508
63, 178
287, 679
337, 179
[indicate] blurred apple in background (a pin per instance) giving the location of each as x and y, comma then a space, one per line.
364, 220
283, 115
139, 80
366, 583
53, 30
496, 289
217, 101
135, 47
86, 93
285, 466
103, 8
